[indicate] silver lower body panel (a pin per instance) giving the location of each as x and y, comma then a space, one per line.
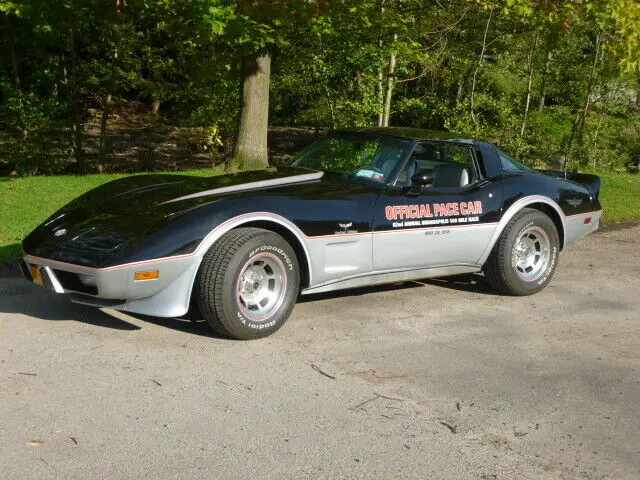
167, 296
377, 278
578, 226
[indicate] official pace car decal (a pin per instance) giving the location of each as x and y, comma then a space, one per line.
433, 214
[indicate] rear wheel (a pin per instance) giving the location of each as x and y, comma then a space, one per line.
525, 257
248, 283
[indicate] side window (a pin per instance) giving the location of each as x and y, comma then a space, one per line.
509, 164
452, 164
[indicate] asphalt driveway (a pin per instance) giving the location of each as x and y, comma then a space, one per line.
441, 380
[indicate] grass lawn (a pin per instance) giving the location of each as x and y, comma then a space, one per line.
26, 202
620, 197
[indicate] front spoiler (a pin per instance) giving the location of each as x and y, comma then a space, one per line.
49, 279
167, 296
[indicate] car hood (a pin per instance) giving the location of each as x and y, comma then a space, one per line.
98, 226
172, 193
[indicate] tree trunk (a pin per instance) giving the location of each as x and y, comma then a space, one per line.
529, 86
390, 81
250, 151
577, 130
591, 84
155, 107
381, 82
78, 151
475, 73
380, 98
14, 64
14, 59
595, 141
331, 107
459, 91
543, 83
77, 108
106, 107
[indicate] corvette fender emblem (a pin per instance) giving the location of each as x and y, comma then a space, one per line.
346, 228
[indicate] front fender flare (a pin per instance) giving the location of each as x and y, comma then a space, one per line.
240, 220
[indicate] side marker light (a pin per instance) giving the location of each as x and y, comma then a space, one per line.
152, 275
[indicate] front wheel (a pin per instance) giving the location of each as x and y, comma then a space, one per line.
248, 283
525, 257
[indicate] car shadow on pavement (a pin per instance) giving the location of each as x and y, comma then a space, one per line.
474, 283
18, 296
195, 326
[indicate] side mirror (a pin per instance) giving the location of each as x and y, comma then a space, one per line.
420, 180
423, 178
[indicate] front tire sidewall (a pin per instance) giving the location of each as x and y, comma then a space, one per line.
243, 326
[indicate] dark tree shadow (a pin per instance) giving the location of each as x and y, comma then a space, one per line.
8, 253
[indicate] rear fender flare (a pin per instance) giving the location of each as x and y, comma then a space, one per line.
510, 213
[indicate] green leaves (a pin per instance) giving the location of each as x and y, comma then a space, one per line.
330, 60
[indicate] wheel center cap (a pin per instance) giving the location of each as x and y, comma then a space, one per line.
251, 282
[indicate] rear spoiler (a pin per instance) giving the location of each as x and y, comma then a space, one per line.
592, 182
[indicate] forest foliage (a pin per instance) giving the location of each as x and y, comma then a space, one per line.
555, 83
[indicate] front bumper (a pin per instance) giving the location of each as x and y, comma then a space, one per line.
166, 296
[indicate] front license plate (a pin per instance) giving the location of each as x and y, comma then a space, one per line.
36, 274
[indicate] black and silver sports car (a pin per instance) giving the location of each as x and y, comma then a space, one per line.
357, 208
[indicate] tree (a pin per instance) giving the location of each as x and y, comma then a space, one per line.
235, 67
251, 144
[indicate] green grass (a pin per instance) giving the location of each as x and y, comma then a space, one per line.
620, 197
26, 202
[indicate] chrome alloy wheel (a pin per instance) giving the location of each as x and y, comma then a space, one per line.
261, 286
531, 253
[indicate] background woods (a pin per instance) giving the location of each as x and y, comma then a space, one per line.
95, 85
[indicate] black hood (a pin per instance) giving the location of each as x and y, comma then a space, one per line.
97, 226
172, 193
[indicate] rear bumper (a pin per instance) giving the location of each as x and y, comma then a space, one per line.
577, 226
116, 287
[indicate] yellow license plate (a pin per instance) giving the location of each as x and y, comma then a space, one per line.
36, 274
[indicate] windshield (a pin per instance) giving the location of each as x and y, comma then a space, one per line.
370, 158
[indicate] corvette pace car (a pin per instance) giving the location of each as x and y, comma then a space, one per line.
356, 208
